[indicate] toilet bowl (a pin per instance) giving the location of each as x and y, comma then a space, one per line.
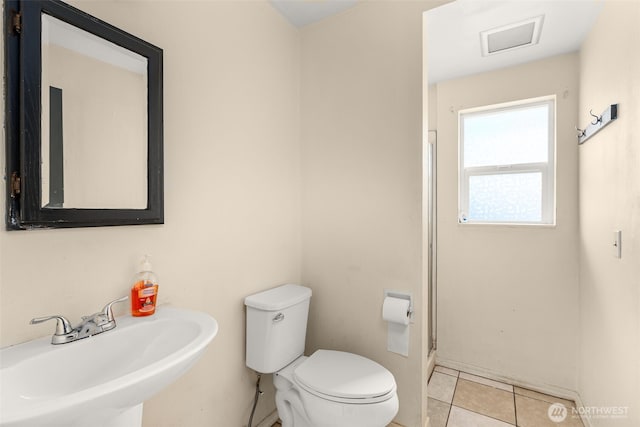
335, 389
327, 389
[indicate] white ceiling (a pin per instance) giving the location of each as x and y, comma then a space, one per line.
453, 33
453, 30
305, 12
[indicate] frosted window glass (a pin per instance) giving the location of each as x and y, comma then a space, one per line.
507, 137
513, 197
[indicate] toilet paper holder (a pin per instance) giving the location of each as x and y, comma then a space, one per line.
401, 295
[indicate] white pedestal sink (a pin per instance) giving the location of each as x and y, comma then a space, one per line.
103, 380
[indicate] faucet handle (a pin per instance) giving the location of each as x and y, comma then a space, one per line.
107, 308
63, 326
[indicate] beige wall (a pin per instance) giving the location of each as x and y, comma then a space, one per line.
507, 295
361, 162
610, 200
232, 184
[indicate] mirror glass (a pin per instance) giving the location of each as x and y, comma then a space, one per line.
93, 121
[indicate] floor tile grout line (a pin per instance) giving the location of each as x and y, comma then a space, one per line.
542, 400
486, 385
446, 424
448, 415
484, 415
444, 373
515, 407
489, 379
441, 401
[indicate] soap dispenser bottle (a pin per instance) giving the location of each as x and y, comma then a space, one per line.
144, 290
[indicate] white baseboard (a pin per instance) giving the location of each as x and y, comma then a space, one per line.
431, 363
552, 390
269, 420
585, 420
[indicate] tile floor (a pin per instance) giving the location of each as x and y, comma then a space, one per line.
277, 424
458, 399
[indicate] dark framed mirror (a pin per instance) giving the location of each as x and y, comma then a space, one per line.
84, 120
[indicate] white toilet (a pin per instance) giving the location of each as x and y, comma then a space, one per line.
326, 389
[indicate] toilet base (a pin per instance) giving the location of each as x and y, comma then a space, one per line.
289, 416
295, 412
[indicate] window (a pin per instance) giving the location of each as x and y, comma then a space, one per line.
507, 163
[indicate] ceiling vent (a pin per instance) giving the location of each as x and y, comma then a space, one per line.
513, 36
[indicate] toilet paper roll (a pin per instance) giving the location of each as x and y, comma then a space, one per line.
395, 310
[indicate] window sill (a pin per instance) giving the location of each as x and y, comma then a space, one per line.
506, 224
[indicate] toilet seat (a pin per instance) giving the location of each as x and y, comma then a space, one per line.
345, 377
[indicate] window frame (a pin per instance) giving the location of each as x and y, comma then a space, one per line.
547, 169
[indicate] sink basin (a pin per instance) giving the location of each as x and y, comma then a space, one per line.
104, 379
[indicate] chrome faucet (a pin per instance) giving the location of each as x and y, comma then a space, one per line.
91, 325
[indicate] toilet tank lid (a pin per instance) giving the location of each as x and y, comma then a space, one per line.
278, 298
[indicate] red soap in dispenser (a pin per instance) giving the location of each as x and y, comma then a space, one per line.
144, 290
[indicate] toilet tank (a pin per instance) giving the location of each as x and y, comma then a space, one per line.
276, 327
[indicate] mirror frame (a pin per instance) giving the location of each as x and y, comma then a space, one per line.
23, 65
